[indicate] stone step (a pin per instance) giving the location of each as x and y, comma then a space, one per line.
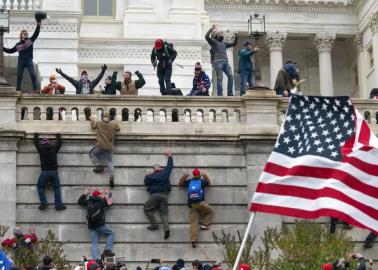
138, 195
72, 175
28, 213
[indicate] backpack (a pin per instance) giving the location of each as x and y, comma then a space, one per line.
195, 191
166, 45
95, 212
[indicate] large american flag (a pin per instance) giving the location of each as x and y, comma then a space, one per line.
324, 163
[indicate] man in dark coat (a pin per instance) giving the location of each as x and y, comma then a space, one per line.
110, 84
84, 85
284, 81
165, 54
159, 186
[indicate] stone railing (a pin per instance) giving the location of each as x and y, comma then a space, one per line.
20, 4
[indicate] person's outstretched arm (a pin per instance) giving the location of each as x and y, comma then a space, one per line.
58, 142
140, 82
234, 43
99, 77
36, 141
12, 50
68, 78
168, 169
36, 32
209, 39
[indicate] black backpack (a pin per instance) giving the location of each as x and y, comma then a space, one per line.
95, 213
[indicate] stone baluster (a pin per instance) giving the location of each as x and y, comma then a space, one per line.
324, 43
56, 114
30, 113
81, 114
119, 114
37, 4
131, 115
168, 115
68, 115
206, 116
275, 42
43, 113
218, 117
358, 43
373, 23
8, 4
23, 4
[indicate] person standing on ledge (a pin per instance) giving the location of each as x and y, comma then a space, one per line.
245, 67
165, 54
220, 60
106, 131
25, 53
128, 86
84, 85
159, 186
49, 165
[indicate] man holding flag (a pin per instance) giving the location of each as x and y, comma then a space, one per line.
323, 164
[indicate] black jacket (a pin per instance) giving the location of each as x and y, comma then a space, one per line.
158, 181
102, 204
110, 89
164, 55
25, 48
48, 153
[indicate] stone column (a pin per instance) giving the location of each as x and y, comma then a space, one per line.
275, 42
358, 42
373, 23
324, 43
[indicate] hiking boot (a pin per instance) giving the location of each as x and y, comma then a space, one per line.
60, 207
42, 207
153, 227
194, 244
166, 235
108, 253
111, 181
98, 169
205, 227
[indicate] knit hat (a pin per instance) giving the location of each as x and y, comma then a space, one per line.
17, 230
247, 43
90, 263
198, 65
180, 263
159, 44
96, 193
196, 172
244, 267
327, 266
52, 77
84, 72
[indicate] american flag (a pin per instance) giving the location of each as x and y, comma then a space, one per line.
324, 163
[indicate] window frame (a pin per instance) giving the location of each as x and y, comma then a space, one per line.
114, 3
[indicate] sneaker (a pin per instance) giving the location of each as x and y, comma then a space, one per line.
98, 169
205, 227
111, 181
60, 207
194, 244
152, 227
166, 235
42, 207
108, 253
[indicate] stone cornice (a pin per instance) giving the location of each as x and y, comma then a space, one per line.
56, 27
358, 42
324, 41
275, 40
282, 6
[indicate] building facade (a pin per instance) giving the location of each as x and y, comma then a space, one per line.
333, 41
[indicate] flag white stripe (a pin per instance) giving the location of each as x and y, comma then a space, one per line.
316, 184
314, 205
366, 156
321, 162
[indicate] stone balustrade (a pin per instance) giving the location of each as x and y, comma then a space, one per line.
21, 4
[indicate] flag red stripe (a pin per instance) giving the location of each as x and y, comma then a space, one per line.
312, 194
322, 173
362, 165
364, 137
299, 213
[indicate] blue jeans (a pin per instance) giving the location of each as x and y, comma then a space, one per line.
43, 180
96, 152
21, 65
245, 77
225, 67
95, 235
164, 75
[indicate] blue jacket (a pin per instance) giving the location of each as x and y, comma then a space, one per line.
4, 262
245, 62
158, 181
198, 83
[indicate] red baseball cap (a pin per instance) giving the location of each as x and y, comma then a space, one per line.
196, 172
327, 266
96, 193
159, 44
244, 267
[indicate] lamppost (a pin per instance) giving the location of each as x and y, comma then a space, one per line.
4, 27
256, 29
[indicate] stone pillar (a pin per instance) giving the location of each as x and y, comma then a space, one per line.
275, 42
8, 162
358, 42
373, 23
324, 43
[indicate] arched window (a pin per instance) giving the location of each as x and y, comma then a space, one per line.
212, 116
199, 116
162, 116
88, 113
175, 115
36, 113
49, 113
150, 115
125, 115
188, 116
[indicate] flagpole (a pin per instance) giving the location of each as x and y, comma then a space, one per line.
244, 241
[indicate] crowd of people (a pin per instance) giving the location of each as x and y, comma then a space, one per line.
163, 56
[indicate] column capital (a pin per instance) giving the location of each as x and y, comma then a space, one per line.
358, 42
324, 41
275, 40
373, 22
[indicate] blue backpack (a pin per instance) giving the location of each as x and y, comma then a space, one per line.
195, 191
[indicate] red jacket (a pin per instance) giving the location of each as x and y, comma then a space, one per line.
11, 242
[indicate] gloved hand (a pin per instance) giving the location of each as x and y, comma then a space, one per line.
154, 64
59, 71
104, 67
137, 73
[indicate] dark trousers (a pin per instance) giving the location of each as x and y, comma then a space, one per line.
53, 178
370, 238
157, 201
332, 229
22, 64
164, 76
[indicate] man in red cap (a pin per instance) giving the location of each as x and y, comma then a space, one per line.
244, 266
96, 221
196, 201
162, 56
